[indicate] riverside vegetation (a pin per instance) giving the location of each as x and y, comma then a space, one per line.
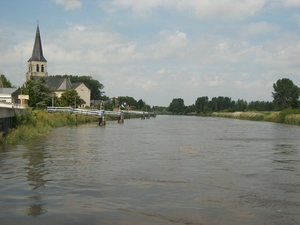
35, 123
287, 116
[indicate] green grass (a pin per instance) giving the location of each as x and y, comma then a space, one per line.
288, 116
37, 123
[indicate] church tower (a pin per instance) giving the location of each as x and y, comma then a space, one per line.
37, 64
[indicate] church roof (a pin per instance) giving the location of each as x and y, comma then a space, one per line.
59, 84
76, 85
37, 53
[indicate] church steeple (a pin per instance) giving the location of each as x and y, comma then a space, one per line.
37, 64
37, 53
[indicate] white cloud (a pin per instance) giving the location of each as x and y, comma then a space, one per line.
149, 85
259, 28
202, 9
170, 44
231, 9
290, 3
69, 4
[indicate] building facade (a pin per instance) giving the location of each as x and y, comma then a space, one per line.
84, 94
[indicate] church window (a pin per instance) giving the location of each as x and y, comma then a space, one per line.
37, 68
43, 68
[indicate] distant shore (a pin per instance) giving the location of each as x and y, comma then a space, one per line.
288, 116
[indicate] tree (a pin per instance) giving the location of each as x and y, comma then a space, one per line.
177, 106
40, 95
6, 82
140, 104
200, 103
240, 105
69, 98
128, 101
286, 94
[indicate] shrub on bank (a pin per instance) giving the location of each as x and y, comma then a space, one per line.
288, 116
34, 123
293, 119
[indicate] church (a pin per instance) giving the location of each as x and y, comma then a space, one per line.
37, 68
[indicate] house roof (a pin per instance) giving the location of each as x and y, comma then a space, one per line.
76, 85
37, 53
8, 90
59, 84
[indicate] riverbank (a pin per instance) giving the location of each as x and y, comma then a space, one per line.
35, 123
287, 116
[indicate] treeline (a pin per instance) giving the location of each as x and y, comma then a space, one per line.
203, 105
125, 102
285, 95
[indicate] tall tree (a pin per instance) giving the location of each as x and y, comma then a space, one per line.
177, 106
200, 103
140, 104
5, 82
286, 94
40, 95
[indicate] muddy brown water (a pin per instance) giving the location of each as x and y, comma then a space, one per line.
167, 170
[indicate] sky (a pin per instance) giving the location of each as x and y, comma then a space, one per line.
158, 50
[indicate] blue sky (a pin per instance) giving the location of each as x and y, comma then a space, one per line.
157, 50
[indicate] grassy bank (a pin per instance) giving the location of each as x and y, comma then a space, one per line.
35, 123
287, 116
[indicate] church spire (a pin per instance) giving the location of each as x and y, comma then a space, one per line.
37, 53
37, 64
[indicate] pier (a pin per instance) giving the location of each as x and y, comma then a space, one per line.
101, 114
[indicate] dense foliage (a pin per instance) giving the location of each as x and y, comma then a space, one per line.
286, 94
40, 94
5, 82
69, 98
177, 106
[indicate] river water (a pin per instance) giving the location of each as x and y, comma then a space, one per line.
167, 170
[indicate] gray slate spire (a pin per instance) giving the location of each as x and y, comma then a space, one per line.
37, 53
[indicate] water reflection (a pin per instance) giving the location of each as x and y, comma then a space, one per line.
284, 157
36, 171
37, 208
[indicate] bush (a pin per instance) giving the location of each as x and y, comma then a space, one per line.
286, 112
39, 122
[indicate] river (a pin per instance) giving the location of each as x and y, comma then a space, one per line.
167, 170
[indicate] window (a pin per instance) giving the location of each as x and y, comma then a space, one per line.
37, 68
43, 68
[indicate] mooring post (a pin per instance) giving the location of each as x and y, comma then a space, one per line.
121, 118
104, 120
